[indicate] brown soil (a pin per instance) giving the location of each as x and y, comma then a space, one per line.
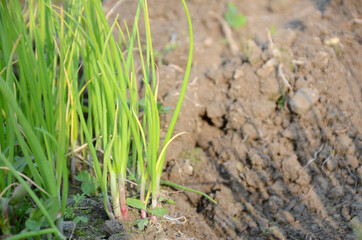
279, 169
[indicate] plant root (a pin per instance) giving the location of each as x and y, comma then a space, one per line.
176, 220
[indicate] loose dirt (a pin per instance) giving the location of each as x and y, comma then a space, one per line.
275, 127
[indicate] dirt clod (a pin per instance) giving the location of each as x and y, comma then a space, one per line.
303, 100
113, 227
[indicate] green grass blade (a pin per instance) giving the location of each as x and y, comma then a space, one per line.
174, 185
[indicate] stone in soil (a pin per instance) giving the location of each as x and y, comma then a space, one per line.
343, 142
303, 100
113, 227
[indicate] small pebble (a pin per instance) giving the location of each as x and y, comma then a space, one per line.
249, 207
254, 231
351, 181
256, 159
277, 233
113, 227
208, 42
303, 100
288, 216
314, 227
331, 41
298, 210
335, 193
287, 133
68, 226
352, 162
250, 131
343, 143
331, 164
274, 204
267, 69
345, 213
238, 73
187, 168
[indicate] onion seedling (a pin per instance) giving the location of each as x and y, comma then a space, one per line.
150, 126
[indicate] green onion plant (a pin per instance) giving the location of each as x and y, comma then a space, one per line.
151, 154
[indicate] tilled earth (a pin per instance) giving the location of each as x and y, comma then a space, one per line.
275, 118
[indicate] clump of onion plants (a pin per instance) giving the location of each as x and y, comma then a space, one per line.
127, 122
39, 62
115, 106
50, 57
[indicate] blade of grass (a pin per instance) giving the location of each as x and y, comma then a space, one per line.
174, 185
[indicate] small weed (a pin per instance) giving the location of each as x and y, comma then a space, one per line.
78, 219
69, 211
136, 203
20, 213
273, 223
193, 155
333, 152
233, 17
159, 55
165, 200
267, 232
273, 29
357, 227
281, 101
85, 211
80, 233
89, 183
12, 215
141, 223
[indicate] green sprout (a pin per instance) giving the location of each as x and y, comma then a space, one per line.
273, 29
89, 183
159, 55
233, 17
69, 211
281, 101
